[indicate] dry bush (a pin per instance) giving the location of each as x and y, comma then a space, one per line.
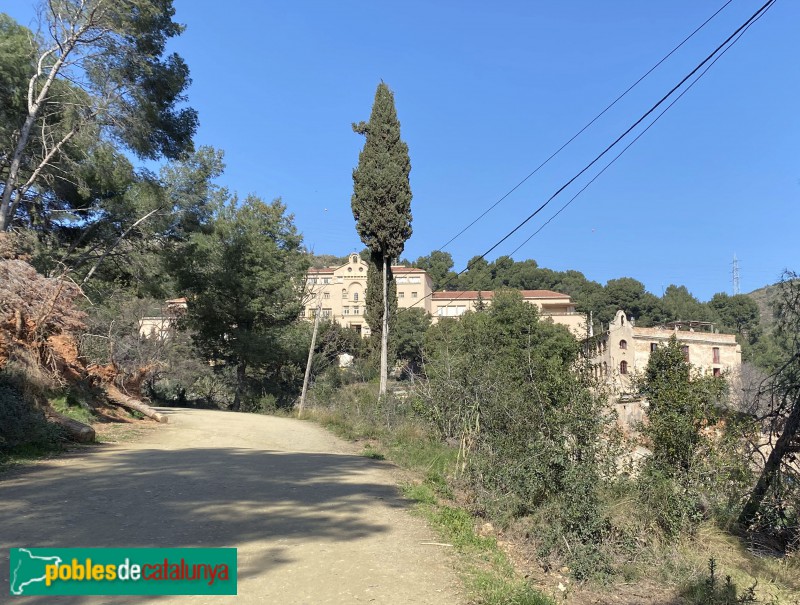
34, 307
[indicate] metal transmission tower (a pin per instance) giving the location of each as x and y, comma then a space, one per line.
735, 275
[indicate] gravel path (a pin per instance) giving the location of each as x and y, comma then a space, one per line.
313, 521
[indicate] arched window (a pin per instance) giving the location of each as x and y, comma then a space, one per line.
623, 367
623, 344
355, 296
344, 293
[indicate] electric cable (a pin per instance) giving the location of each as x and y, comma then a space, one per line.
735, 36
628, 146
582, 130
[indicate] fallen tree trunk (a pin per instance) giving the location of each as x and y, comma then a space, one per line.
119, 398
77, 431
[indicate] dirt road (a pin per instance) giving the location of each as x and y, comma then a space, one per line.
313, 521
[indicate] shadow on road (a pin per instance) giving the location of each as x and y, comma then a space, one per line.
192, 497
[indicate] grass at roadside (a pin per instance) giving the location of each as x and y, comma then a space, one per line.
647, 571
488, 575
28, 454
394, 434
69, 405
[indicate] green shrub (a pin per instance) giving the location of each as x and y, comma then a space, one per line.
266, 404
511, 390
713, 590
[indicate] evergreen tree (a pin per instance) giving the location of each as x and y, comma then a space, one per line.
679, 406
381, 202
242, 277
100, 77
439, 266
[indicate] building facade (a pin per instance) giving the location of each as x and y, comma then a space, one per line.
161, 326
339, 293
624, 349
552, 305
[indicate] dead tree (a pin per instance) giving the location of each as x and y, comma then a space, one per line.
781, 419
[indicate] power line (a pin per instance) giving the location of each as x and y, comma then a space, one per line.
632, 127
582, 130
735, 36
628, 146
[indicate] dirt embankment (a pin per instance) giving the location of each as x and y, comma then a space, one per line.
40, 327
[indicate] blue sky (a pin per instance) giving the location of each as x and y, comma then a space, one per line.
485, 92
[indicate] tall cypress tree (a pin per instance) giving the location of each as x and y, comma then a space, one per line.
381, 202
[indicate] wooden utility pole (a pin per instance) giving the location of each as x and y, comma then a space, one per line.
302, 404
384, 331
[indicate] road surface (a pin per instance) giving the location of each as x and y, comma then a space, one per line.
313, 521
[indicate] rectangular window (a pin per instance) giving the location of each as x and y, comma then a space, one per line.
346, 311
401, 295
441, 311
312, 280
355, 295
326, 280
326, 313
715, 353
717, 372
414, 280
653, 347
402, 280
356, 310
413, 295
685, 351
326, 295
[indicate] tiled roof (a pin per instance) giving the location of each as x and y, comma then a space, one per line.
323, 270
487, 294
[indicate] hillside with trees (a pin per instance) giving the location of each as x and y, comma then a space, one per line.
509, 435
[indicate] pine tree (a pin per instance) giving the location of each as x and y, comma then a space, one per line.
381, 200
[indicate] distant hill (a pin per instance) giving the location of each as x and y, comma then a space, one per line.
764, 298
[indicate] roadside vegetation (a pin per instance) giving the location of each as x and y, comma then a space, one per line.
515, 458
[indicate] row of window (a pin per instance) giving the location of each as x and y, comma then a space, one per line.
327, 312
602, 370
623, 369
451, 311
623, 344
327, 295
408, 280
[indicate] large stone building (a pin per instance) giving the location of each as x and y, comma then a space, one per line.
553, 305
341, 290
624, 349
161, 326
